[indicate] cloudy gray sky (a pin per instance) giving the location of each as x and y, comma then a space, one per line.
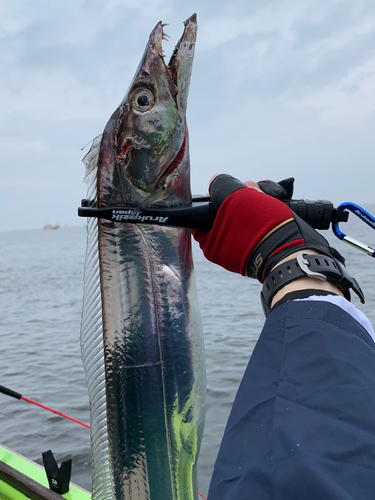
279, 88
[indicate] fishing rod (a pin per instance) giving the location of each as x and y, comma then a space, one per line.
320, 214
17, 395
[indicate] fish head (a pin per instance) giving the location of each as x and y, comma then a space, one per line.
144, 154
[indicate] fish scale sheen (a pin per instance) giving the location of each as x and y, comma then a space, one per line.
141, 333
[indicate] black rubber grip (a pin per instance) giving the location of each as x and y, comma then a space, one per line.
9, 392
317, 213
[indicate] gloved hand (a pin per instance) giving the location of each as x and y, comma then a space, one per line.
253, 231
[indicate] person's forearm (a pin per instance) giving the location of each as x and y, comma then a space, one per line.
304, 283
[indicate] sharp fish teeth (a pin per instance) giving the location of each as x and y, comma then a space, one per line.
164, 35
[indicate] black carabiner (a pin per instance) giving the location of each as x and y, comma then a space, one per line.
365, 217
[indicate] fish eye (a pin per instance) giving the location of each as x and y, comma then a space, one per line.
143, 100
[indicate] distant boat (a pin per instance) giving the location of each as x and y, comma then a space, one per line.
48, 227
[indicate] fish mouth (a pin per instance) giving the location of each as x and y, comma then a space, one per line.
130, 144
176, 65
125, 158
179, 70
172, 68
181, 62
173, 166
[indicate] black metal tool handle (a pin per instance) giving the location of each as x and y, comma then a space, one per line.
194, 217
201, 215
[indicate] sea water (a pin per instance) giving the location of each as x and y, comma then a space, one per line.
41, 275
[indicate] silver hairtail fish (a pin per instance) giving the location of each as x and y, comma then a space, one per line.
141, 335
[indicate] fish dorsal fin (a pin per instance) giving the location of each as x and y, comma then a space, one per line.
91, 159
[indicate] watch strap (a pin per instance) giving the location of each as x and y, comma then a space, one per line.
317, 266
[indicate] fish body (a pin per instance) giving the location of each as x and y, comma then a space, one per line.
141, 335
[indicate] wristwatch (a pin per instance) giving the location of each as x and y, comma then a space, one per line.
313, 265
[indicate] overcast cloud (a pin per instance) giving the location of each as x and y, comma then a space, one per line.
279, 88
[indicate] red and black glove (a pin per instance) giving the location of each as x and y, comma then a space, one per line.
253, 231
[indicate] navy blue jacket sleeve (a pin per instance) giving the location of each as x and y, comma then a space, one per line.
303, 422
